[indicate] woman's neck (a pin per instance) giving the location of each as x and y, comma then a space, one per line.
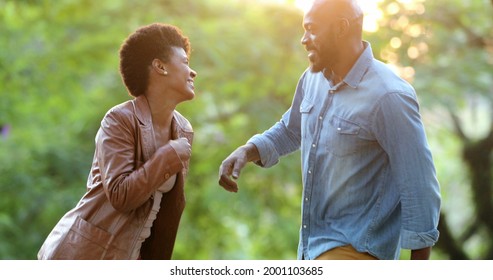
161, 111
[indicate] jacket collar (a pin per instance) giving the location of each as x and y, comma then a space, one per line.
142, 110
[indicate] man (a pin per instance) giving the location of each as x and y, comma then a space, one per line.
369, 183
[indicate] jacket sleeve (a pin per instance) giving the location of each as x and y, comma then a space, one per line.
129, 183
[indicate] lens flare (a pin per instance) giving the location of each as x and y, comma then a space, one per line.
370, 7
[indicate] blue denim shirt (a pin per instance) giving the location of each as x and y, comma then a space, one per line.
368, 173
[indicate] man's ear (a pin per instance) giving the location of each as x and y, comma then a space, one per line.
342, 27
158, 66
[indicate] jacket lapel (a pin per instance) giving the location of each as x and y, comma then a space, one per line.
143, 114
179, 129
180, 126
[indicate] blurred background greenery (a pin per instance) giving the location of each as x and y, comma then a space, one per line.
59, 75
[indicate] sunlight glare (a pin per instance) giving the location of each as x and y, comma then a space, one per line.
370, 8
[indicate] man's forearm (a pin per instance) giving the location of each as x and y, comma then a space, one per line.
421, 254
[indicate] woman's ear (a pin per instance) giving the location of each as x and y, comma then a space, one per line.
158, 66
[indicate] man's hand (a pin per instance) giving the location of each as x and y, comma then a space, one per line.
232, 165
421, 254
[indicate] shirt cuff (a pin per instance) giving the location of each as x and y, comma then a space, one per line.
418, 240
268, 153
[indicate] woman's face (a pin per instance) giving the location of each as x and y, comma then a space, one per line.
180, 75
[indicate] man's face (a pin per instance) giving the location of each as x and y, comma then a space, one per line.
319, 40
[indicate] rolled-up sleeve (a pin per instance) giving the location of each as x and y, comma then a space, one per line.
418, 240
273, 144
401, 134
284, 137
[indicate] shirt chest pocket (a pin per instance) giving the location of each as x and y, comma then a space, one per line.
343, 137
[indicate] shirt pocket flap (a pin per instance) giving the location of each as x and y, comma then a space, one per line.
344, 126
306, 106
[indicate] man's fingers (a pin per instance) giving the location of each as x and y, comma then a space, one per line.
236, 171
224, 178
228, 184
238, 165
225, 169
230, 168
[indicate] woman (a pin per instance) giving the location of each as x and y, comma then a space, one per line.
135, 190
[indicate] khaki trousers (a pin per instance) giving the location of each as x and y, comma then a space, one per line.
345, 253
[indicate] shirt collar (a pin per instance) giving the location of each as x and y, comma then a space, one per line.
355, 75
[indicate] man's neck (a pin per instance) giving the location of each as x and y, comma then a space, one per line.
337, 73
332, 76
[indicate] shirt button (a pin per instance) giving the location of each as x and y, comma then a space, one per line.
309, 172
332, 91
166, 176
313, 145
338, 129
306, 199
320, 118
304, 226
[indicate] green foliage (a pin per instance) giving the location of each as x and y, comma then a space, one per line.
449, 48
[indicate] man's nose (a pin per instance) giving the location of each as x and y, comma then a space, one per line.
304, 39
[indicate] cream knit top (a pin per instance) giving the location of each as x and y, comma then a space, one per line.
146, 231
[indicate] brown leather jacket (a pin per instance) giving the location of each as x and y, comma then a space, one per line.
127, 169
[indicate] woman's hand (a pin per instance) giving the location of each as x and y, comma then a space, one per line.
182, 148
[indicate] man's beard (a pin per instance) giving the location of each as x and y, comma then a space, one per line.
321, 60
316, 67
316, 64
